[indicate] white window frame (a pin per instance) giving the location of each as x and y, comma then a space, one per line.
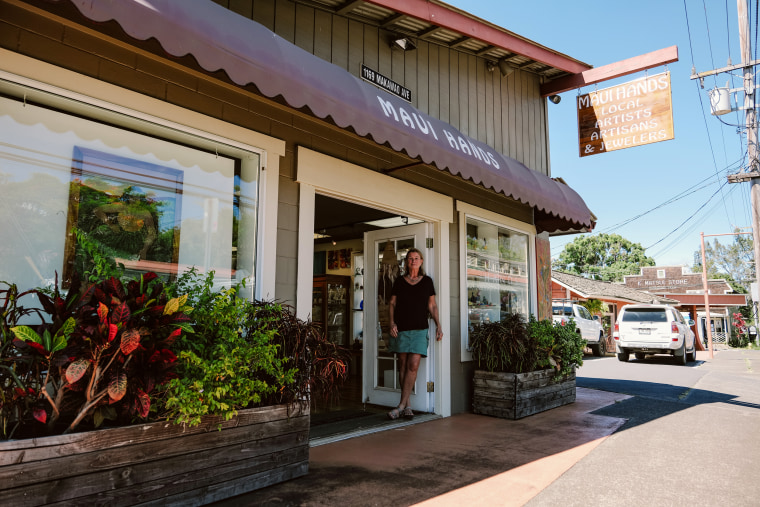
42, 83
465, 211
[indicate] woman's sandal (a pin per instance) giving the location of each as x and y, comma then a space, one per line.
408, 413
394, 414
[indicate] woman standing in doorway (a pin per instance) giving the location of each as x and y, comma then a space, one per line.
412, 299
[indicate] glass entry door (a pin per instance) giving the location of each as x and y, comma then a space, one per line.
385, 251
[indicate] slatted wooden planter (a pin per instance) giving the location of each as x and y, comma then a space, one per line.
157, 463
518, 395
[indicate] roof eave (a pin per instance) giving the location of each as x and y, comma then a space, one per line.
446, 16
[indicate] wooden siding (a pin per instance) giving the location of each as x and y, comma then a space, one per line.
505, 113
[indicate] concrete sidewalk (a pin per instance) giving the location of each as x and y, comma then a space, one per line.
700, 448
465, 459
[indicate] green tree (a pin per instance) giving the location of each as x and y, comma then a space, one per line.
606, 257
734, 262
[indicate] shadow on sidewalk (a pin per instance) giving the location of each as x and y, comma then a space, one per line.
642, 408
406, 465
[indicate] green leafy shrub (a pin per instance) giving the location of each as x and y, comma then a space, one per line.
515, 346
567, 347
247, 353
230, 362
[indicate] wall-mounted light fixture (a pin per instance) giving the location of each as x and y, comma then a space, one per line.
506, 68
404, 43
555, 99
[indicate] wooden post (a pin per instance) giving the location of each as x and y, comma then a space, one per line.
708, 327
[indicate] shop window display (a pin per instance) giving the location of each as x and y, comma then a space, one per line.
498, 278
151, 203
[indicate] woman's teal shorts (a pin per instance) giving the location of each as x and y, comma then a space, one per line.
412, 342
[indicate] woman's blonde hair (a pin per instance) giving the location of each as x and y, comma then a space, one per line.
406, 260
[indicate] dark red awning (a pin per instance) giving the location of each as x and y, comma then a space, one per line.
249, 53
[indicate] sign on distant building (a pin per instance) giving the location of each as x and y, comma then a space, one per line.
673, 280
632, 114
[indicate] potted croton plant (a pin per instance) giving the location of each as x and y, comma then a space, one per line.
523, 368
124, 392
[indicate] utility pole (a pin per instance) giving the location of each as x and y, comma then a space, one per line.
750, 121
751, 173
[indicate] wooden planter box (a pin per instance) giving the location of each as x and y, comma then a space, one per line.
518, 395
157, 463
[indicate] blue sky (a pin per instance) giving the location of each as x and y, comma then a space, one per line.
621, 185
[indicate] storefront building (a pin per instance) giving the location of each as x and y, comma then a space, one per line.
289, 145
688, 288
615, 296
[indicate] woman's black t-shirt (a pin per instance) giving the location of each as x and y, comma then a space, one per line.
411, 311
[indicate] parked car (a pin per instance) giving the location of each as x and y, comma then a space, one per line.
653, 329
589, 327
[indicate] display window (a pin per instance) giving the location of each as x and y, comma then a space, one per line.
498, 274
76, 190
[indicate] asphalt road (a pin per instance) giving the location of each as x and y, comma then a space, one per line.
692, 435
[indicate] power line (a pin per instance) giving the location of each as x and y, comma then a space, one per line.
701, 103
720, 189
689, 230
680, 195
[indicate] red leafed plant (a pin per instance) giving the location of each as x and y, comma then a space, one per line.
103, 350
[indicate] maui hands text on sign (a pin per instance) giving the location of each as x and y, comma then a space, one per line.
632, 114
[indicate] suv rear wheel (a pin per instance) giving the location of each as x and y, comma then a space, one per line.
600, 349
681, 360
623, 356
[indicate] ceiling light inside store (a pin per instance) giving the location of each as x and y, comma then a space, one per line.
393, 222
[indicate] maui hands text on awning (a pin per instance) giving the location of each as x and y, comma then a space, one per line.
456, 141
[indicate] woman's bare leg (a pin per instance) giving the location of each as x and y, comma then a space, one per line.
408, 377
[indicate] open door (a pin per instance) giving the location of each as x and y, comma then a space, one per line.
381, 379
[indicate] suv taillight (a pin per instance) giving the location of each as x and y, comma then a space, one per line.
674, 327
617, 326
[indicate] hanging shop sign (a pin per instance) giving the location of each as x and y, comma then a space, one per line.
385, 83
632, 114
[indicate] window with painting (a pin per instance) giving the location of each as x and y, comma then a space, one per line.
498, 278
144, 197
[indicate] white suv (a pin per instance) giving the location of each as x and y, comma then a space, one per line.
589, 327
653, 329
